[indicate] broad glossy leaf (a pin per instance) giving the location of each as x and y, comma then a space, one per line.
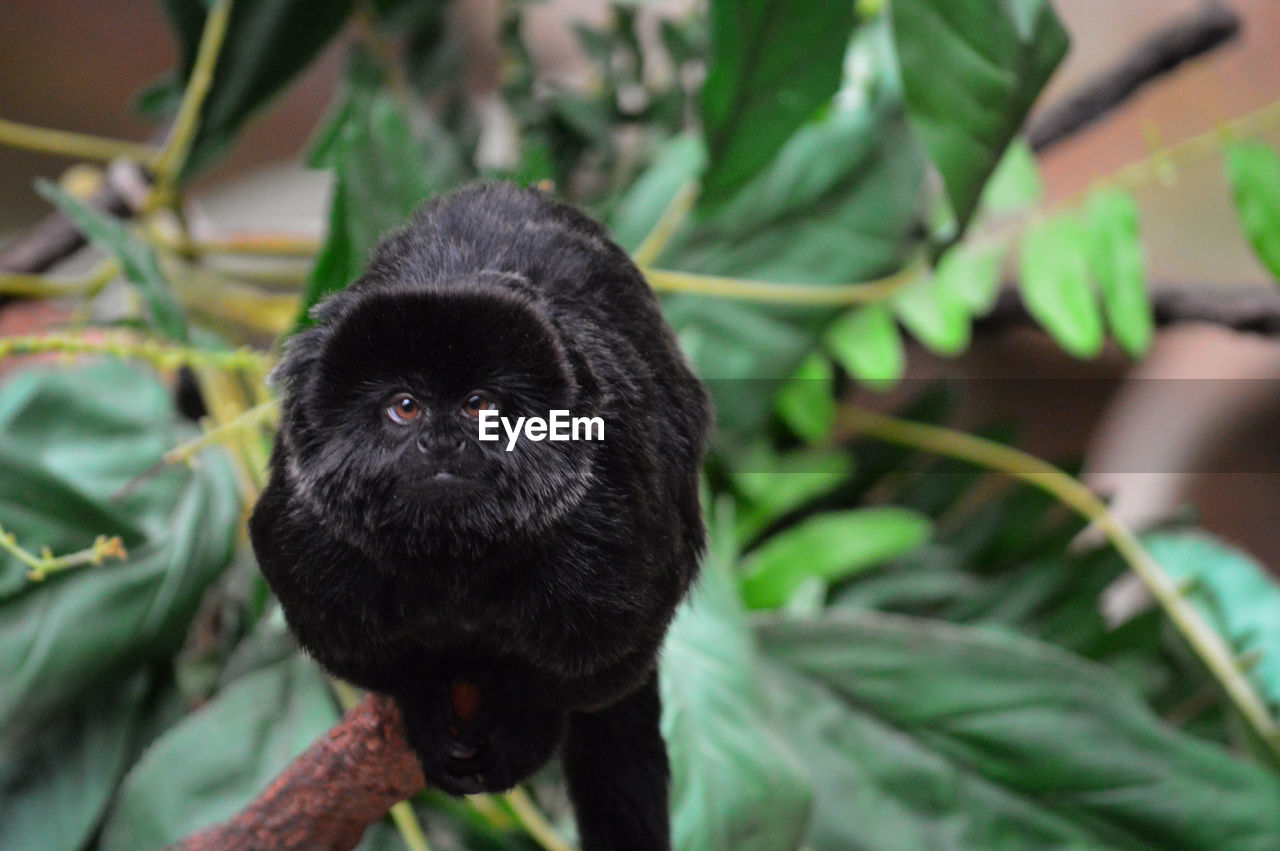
135, 257
934, 315
385, 163
68, 440
772, 66
55, 785
216, 760
828, 546
1117, 262
867, 344
268, 42
735, 782
1253, 168
1236, 594
920, 734
1056, 287
971, 70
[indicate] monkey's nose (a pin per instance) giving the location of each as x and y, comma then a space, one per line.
440, 449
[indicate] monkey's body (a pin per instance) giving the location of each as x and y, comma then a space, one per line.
508, 601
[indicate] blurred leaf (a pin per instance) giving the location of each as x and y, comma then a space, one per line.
1236, 594
807, 404
772, 484
756, 93
970, 277
735, 783
828, 546
1116, 261
135, 257
676, 165
216, 760
934, 315
55, 785
67, 441
1253, 168
1056, 288
971, 70
867, 344
1016, 183
268, 42
385, 162
920, 734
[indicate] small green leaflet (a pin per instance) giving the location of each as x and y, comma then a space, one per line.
1253, 168
807, 402
867, 344
1055, 284
1115, 255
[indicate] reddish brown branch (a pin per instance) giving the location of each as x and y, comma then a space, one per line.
327, 797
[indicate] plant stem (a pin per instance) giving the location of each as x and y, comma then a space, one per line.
68, 144
163, 356
534, 822
671, 218
42, 565
666, 280
171, 160
1213, 650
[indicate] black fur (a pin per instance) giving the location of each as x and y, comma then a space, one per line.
520, 600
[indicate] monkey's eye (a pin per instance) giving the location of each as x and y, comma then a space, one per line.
477, 402
403, 409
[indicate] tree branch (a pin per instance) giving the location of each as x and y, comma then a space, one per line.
326, 797
1201, 31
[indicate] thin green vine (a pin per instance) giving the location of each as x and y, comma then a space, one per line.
164, 356
1213, 650
40, 566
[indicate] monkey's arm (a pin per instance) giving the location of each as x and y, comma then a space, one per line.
616, 764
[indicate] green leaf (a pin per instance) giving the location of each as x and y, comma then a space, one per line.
772, 66
1020, 745
54, 787
774, 483
1016, 183
1235, 593
268, 42
934, 315
385, 163
1055, 285
136, 258
676, 165
971, 70
68, 440
216, 760
829, 546
735, 783
970, 277
807, 404
1117, 262
867, 344
1253, 168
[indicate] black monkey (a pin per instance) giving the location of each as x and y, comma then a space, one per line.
511, 601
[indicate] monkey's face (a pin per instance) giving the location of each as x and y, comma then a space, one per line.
385, 432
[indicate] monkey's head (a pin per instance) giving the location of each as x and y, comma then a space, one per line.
383, 402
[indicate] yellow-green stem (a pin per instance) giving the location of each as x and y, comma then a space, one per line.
534, 822
68, 144
40, 566
670, 219
1213, 650
160, 355
666, 280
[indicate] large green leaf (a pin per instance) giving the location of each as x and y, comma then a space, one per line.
971, 70
135, 257
828, 547
1253, 169
68, 440
268, 42
215, 761
920, 734
735, 783
772, 65
54, 786
385, 162
1054, 276
1237, 595
1116, 259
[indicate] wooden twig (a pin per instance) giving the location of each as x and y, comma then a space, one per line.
1205, 29
327, 797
